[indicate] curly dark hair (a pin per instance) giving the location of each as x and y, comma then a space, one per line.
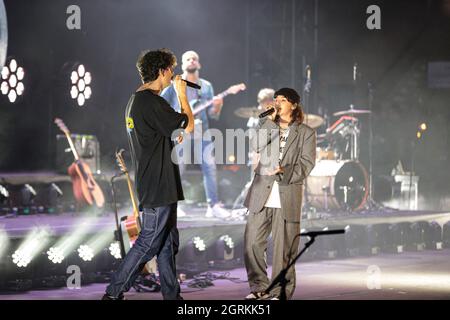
150, 62
293, 97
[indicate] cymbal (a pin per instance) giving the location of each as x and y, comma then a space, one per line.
313, 120
351, 111
248, 112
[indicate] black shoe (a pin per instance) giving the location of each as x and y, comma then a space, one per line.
108, 297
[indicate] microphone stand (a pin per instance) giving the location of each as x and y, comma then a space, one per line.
306, 93
281, 277
118, 232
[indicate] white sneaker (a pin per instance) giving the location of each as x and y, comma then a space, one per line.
180, 212
256, 296
239, 214
217, 211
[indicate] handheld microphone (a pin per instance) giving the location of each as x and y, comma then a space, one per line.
192, 84
266, 113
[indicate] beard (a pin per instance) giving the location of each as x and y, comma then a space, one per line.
191, 69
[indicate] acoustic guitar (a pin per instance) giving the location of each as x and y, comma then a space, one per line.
131, 225
85, 188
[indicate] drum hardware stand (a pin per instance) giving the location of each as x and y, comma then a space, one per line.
309, 209
371, 204
346, 189
326, 189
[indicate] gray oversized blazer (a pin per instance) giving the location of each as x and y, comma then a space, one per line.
299, 158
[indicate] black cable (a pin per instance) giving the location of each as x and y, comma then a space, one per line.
206, 279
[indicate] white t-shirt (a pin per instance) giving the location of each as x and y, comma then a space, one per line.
273, 201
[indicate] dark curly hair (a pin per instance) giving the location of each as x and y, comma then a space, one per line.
293, 97
150, 62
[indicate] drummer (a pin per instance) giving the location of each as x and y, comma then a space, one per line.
264, 98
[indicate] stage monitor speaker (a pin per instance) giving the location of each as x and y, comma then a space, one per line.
87, 147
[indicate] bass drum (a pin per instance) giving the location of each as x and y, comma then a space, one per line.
334, 184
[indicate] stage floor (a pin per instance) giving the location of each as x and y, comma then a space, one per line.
18, 226
411, 275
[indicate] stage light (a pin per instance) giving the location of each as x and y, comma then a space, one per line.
12, 80
355, 239
13, 65
54, 195
193, 255
4, 195
419, 134
225, 248
423, 126
401, 234
28, 195
55, 255
74, 77
228, 241
199, 243
4, 88
433, 237
4, 242
114, 250
100, 241
85, 252
330, 246
69, 242
379, 238
417, 237
21, 258
12, 95
31, 247
80, 89
446, 234
74, 92
5, 73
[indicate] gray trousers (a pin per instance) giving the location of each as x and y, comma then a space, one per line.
258, 228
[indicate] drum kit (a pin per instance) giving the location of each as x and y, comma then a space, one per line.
338, 181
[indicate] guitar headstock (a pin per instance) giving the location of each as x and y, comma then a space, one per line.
236, 88
120, 161
61, 125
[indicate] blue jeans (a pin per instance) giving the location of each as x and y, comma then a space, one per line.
203, 152
158, 236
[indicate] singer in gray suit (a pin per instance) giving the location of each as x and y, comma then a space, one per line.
286, 153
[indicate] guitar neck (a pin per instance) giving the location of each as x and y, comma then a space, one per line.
207, 103
72, 146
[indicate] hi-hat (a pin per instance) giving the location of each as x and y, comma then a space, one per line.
248, 112
351, 111
313, 120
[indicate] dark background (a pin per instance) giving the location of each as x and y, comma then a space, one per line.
264, 43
